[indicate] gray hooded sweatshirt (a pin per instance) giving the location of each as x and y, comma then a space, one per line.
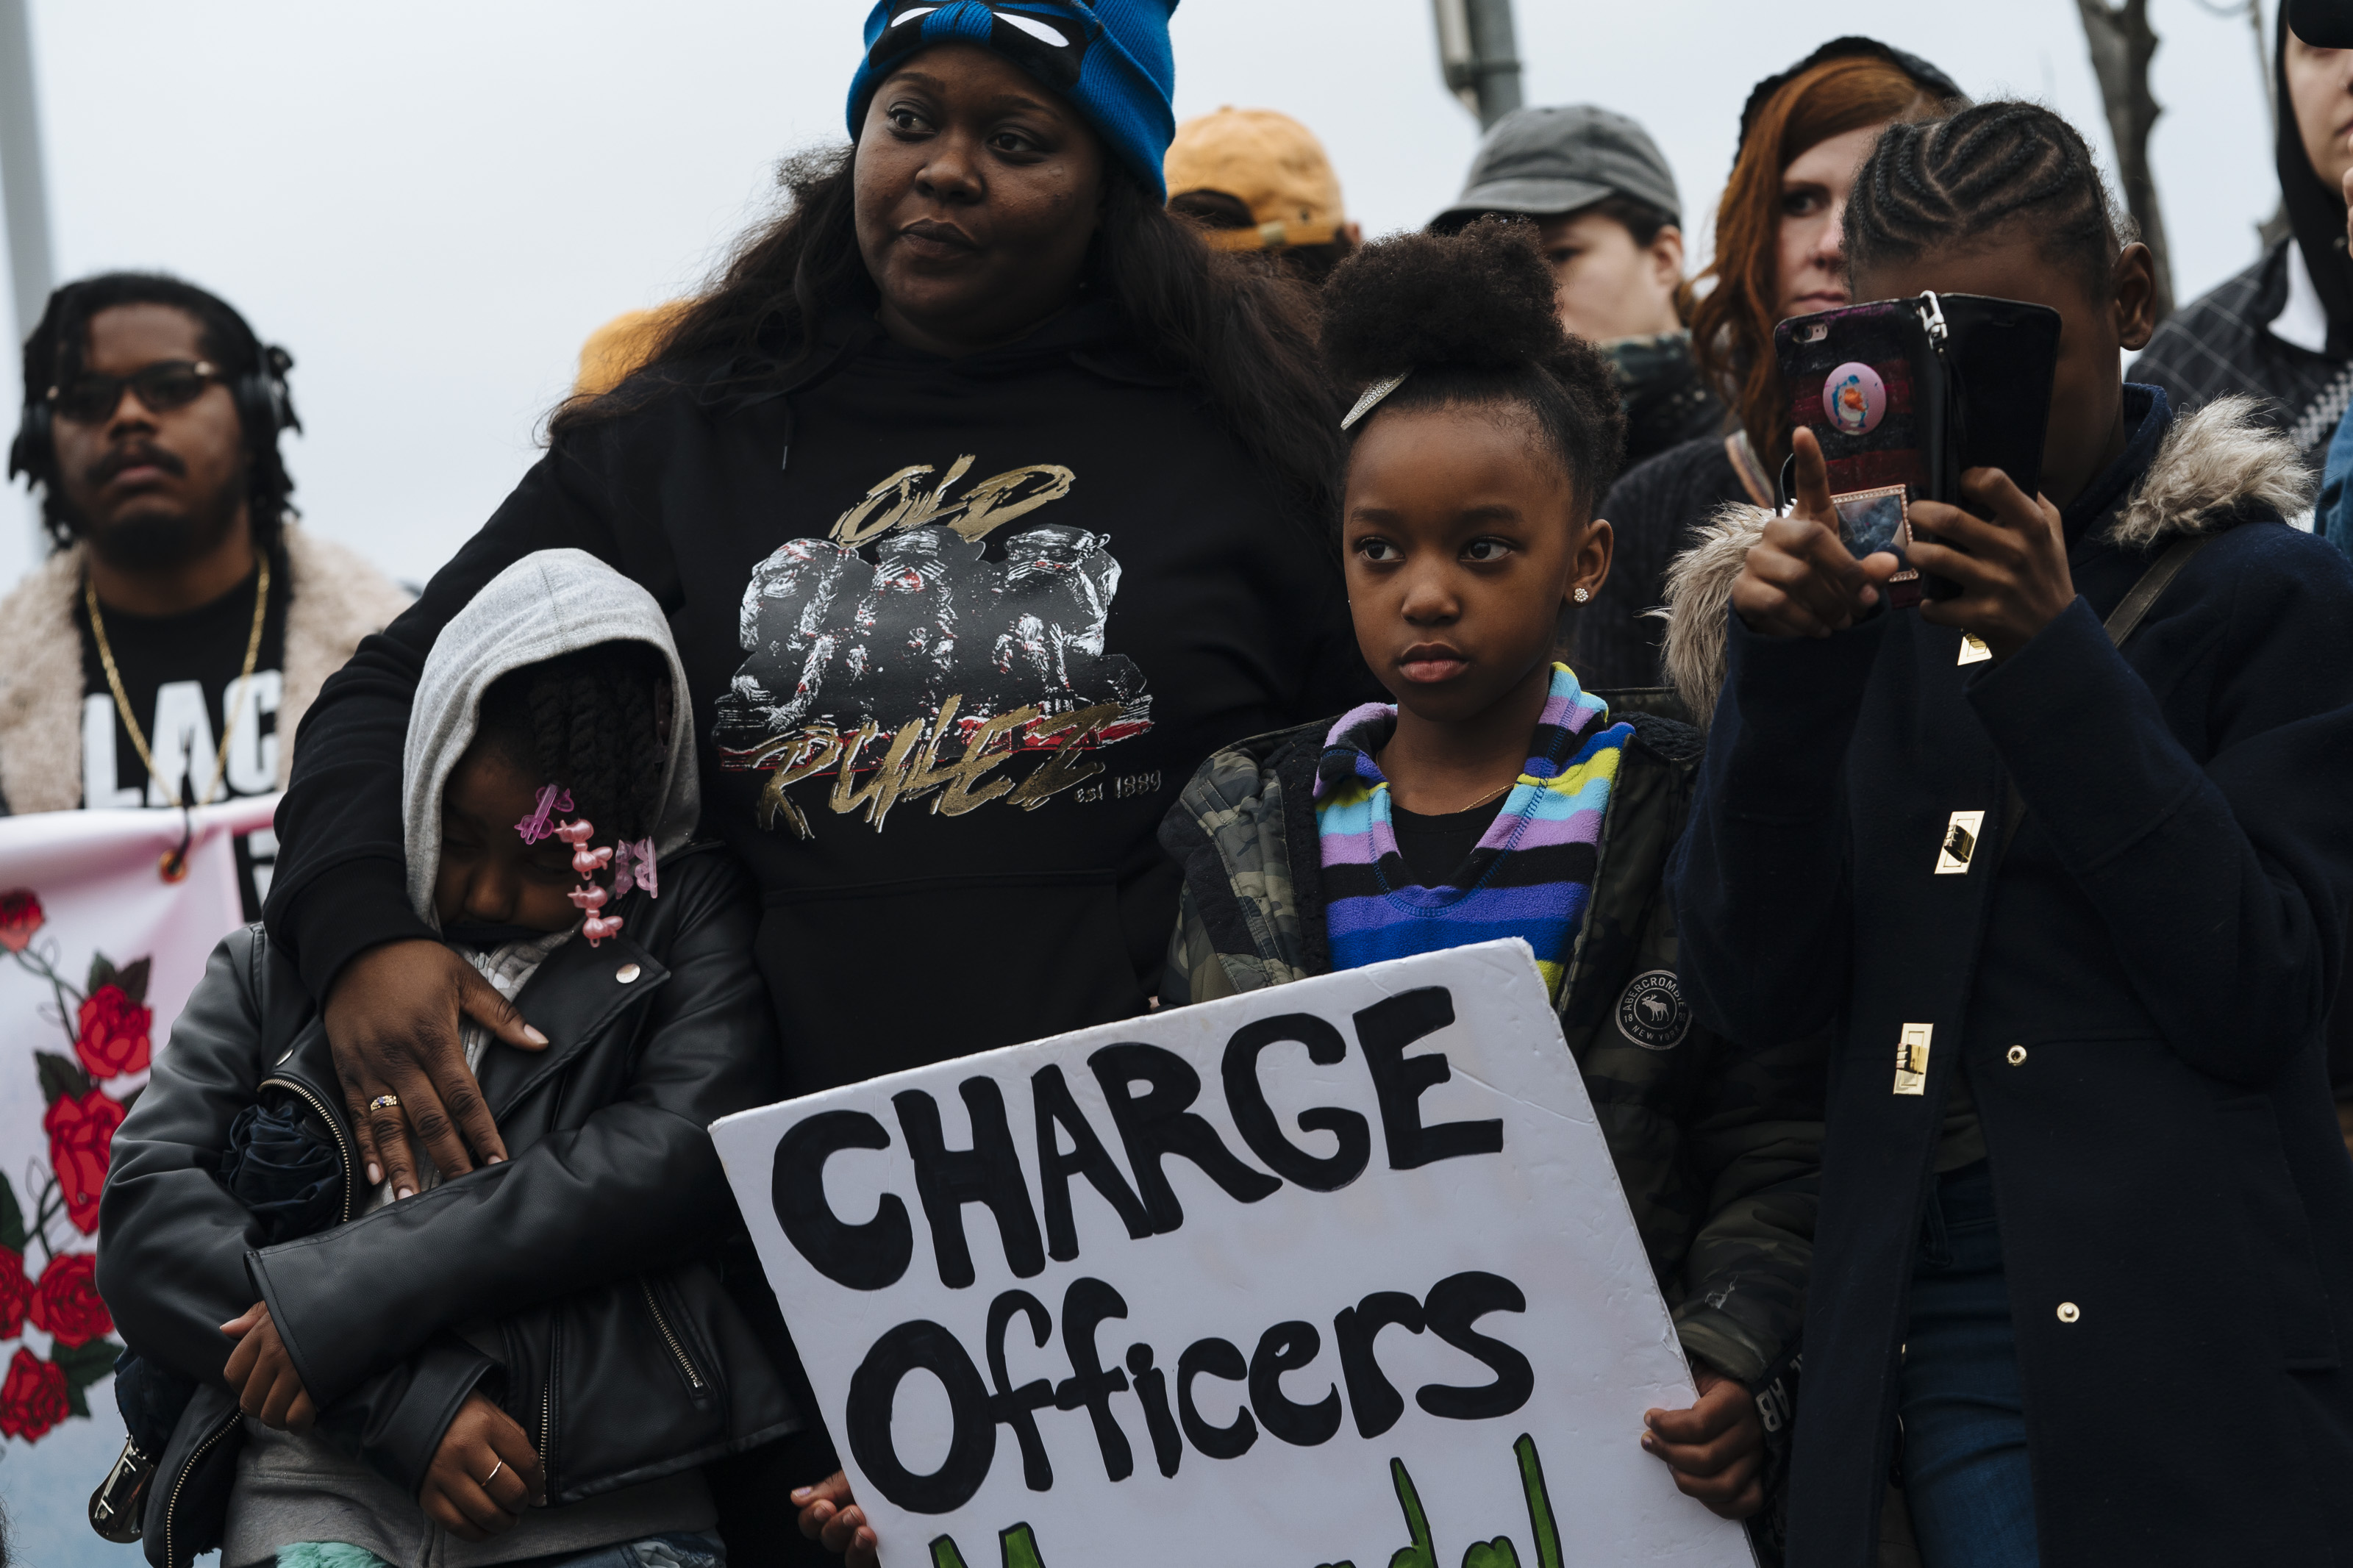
294, 1489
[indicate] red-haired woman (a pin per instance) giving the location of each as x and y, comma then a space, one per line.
1803, 134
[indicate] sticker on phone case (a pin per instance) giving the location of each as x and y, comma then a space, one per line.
1855, 399
1876, 520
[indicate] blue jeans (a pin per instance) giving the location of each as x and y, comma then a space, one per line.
2333, 513
1966, 1476
685, 1549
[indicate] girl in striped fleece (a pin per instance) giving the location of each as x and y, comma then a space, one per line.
1471, 807
1495, 797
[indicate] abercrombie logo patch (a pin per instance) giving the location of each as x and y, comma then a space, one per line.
1651, 1010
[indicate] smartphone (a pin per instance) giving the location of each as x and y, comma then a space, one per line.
1905, 395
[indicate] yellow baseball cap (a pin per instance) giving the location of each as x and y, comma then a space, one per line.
1268, 161
623, 344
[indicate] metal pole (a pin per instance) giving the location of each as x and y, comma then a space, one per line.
22, 180
2264, 57
1496, 56
24, 194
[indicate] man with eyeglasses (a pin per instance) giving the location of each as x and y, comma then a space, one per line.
164, 652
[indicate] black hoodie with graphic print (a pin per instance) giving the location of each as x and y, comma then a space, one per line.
957, 631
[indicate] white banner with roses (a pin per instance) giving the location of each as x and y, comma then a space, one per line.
106, 919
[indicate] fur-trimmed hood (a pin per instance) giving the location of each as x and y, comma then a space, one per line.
2213, 467
335, 598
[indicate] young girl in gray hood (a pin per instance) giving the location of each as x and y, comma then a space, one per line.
531, 1360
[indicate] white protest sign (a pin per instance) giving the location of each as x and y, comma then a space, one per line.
1334, 1274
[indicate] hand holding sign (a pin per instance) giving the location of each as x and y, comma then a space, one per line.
828, 1515
1364, 1229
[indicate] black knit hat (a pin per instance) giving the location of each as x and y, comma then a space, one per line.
2323, 23
1931, 80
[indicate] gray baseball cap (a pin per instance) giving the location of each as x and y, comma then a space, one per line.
1559, 158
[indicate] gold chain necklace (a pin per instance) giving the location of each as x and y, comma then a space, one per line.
1457, 811
229, 712
1481, 800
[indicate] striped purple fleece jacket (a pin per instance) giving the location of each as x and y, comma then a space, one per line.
1530, 874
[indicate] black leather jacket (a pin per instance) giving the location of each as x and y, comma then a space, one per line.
581, 1283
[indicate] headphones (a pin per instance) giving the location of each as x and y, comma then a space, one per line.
265, 407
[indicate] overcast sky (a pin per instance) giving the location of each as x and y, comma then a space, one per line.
432, 204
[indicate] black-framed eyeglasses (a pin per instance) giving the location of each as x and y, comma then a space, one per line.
162, 386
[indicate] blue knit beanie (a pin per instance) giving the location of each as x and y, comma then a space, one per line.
1110, 58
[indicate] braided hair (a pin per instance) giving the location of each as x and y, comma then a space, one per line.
1949, 183
1472, 317
595, 720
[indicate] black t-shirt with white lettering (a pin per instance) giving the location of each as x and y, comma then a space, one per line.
176, 672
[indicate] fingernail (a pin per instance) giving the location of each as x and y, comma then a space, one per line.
403, 1192
801, 1494
534, 1036
376, 1174
494, 1160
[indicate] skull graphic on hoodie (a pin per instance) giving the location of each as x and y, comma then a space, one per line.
925, 656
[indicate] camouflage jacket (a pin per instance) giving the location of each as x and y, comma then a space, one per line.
1718, 1146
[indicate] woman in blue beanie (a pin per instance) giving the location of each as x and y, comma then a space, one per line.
984, 502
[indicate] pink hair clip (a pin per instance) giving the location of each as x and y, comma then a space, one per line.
633, 865
552, 798
588, 897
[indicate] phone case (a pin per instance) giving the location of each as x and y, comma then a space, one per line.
1905, 394
1865, 381
2001, 358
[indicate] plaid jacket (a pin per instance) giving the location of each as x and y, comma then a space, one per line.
2222, 344
1718, 1146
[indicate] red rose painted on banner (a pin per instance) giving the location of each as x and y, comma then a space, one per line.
81, 1136
20, 917
33, 1399
65, 1305
108, 1025
112, 1037
15, 1293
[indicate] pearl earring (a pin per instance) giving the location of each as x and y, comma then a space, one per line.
1581, 596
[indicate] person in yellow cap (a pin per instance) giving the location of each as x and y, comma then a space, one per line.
622, 345
1255, 180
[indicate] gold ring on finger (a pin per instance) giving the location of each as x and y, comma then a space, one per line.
384, 1102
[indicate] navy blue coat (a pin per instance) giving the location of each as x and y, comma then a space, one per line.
2160, 946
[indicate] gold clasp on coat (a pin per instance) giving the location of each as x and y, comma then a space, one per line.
1912, 1059
1960, 843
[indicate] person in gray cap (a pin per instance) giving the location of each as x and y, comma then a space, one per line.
1611, 222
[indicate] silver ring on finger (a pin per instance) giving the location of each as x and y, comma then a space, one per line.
495, 1469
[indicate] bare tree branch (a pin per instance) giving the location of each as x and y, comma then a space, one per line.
2121, 43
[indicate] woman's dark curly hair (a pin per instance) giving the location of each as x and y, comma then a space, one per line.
595, 721
1471, 316
1243, 336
